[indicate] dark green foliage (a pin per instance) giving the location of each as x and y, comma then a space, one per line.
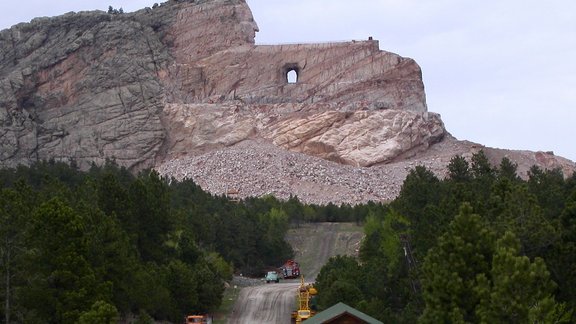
342, 291
388, 276
470, 278
14, 211
508, 170
484, 176
149, 204
561, 257
339, 278
419, 196
494, 249
549, 189
384, 283
62, 282
515, 290
113, 11
459, 169
513, 208
298, 212
88, 247
100, 313
450, 269
92, 247
421, 188
481, 167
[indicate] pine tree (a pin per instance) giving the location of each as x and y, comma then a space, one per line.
481, 166
450, 269
470, 279
516, 290
459, 169
13, 213
62, 283
513, 208
508, 170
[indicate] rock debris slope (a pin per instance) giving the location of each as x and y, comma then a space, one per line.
182, 87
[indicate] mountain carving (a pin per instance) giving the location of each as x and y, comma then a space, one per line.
174, 86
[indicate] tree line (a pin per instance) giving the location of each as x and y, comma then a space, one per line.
102, 245
97, 245
480, 246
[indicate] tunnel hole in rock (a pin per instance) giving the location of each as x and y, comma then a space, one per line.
292, 76
291, 73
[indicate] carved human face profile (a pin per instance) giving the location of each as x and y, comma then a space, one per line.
248, 24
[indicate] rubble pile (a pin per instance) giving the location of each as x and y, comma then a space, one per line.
256, 169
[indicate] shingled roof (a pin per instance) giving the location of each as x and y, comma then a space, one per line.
339, 310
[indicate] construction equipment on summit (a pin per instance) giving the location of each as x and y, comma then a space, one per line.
233, 194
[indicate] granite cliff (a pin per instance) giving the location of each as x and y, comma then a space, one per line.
182, 87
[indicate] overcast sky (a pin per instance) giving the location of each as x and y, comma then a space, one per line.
500, 72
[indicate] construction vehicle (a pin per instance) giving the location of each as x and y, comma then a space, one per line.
306, 302
199, 319
290, 269
272, 276
233, 194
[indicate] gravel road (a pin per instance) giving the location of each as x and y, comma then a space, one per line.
269, 303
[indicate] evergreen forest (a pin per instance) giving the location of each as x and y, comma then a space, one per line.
98, 246
481, 246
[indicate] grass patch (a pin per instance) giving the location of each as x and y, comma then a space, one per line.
229, 298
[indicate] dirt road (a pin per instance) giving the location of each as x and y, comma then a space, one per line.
313, 244
269, 303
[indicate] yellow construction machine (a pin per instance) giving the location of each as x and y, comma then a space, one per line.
306, 302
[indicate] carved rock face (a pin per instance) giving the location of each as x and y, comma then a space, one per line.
186, 78
351, 103
92, 86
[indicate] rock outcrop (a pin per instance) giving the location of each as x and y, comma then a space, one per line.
173, 85
93, 85
81, 86
360, 138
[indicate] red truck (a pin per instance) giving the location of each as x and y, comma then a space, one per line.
290, 269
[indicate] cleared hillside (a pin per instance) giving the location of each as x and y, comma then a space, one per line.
314, 244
